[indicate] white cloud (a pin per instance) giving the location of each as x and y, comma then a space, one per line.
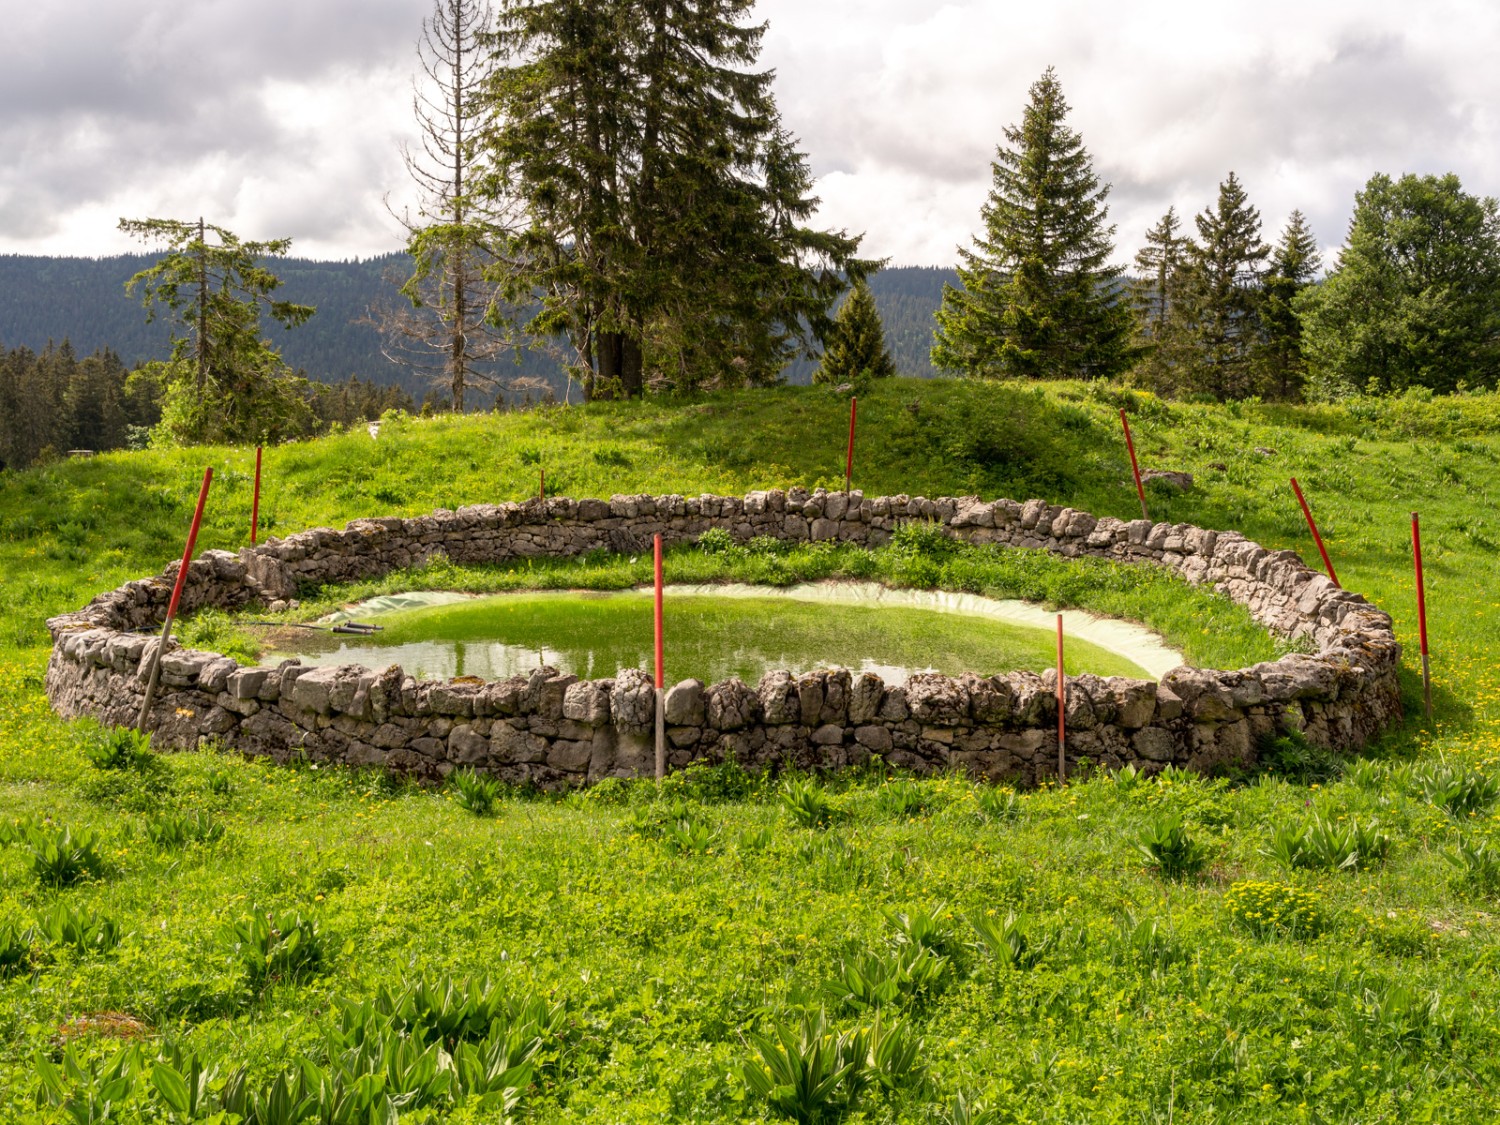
284, 118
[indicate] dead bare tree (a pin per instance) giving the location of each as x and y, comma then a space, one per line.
447, 322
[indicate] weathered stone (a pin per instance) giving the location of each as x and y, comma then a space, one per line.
632, 701
779, 701
730, 705
937, 699
865, 693
685, 705
874, 738
587, 702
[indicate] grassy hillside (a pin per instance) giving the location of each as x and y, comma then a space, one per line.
663, 935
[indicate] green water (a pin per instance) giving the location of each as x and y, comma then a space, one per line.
596, 634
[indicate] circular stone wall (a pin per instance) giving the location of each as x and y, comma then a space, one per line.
555, 730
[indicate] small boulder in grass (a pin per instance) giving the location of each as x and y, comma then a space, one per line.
1169, 477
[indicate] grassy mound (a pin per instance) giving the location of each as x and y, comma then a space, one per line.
1317, 945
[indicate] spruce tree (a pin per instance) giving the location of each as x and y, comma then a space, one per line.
1294, 263
666, 206
1158, 318
1414, 299
1038, 297
224, 384
856, 351
1220, 296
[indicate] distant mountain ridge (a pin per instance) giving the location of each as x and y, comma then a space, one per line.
83, 300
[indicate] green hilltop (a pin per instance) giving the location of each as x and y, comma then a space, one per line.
1058, 955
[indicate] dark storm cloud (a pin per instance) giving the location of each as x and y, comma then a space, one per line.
136, 94
285, 117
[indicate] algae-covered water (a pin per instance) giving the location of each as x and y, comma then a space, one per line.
708, 637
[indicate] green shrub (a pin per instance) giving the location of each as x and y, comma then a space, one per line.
806, 1072
716, 541
475, 791
60, 857
1275, 908
1458, 792
173, 831
903, 799
1166, 846
68, 925
274, 947
922, 929
15, 949
1476, 866
116, 748
688, 837
1325, 845
1010, 942
873, 980
753, 840
999, 806
808, 805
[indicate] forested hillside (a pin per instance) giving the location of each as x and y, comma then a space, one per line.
84, 300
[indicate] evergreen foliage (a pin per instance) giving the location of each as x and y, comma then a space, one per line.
664, 200
1414, 300
1038, 298
52, 402
856, 351
1294, 264
1158, 315
1220, 296
223, 383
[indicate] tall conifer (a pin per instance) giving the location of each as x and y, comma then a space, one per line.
1038, 295
1159, 266
1294, 265
666, 205
1221, 295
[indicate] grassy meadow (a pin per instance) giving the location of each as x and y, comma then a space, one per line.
1316, 943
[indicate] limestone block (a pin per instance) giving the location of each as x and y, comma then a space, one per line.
936, 699
632, 700
685, 704
865, 693
731, 705
587, 702
779, 699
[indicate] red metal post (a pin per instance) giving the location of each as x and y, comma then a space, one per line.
1416, 548
182, 571
849, 456
1317, 538
541, 484
1062, 705
661, 732
1134, 466
255, 500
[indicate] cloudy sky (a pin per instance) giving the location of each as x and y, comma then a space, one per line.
284, 118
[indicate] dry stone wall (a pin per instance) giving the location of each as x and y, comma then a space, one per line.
553, 729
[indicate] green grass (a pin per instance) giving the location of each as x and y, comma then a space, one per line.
681, 933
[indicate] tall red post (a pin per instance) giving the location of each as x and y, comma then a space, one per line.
1416, 549
1135, 468
255, 500
661, 719
1062, 706
182, 571
1317, 538
849, 456
541, 484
